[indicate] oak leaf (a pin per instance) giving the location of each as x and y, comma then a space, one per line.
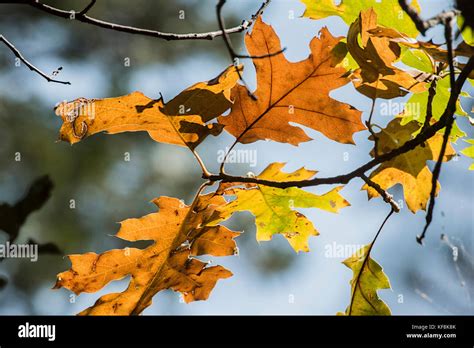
469, 151
181, 121
435, 51
408, 169
377, 77
368, 278
291, 92
179, 233
274, 208
390, 12
416, 107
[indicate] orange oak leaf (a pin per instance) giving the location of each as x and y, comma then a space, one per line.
376, 76
408, 169
433, 50
291, 92
179, 233
181, 121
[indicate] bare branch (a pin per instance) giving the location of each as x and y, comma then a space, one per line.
87, 8
84, 18
424, 25
17, 53
387, 197
448, 33
368, 124
429, 104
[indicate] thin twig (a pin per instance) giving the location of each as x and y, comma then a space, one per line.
18, 54
205, 171
387, 197
368, 124
226, 37
87, 8
234, 56
81, 16
424, 25
429, 105
448, 31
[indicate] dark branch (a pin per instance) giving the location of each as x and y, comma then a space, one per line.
387, 197
84, 18
424, 25
448, 33
345, 178
18, 54
234, 56
88, 7
429, 105
12, 217
368, 124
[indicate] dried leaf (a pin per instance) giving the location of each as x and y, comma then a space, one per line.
291, 92
377, 77
178, 234
408, 169
181, 121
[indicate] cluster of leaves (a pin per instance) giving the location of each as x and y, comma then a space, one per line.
287, 92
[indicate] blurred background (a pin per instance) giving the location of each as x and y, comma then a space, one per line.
269, 278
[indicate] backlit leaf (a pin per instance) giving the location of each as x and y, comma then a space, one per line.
390, 13
274, 208
178, 234
408, 169
181, 121
368, 278
291, 92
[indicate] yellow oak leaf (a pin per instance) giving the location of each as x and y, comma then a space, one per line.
408, 169
376, 76
274, 208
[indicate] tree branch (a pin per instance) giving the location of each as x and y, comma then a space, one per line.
424, 25
387, 197
448, 33
345, 178
18, 54
84, 18
429, 105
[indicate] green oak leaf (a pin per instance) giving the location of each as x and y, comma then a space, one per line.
469, 151
368, 278
416, 107
389, 11
467, 33
274, 208
417, 59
